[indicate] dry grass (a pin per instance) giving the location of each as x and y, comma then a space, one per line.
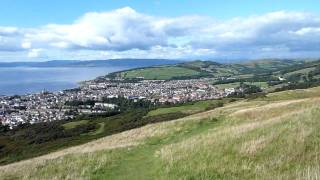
215, 136
309, 173
268, 107
290, 115
253, 146
121, 140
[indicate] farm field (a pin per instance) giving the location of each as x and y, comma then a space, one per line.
301, 71
160, 73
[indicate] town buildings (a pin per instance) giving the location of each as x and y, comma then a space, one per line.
47, 106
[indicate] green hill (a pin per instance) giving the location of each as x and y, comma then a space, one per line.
269, 74
160, 73
198, 69
272, 137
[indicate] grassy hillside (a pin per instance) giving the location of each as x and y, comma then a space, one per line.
159, 73
269, 74
237, 84
71, 125
197, 69
273, 137
190, 108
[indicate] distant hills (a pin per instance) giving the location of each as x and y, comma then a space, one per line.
199, 69
269, 74
134, 63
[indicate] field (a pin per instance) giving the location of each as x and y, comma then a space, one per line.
71, 125
274, 137
228, 85
160, 73
237, 84
301, 71
190, 108
99, 130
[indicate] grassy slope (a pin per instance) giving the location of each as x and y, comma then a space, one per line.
237, 84
197, 69
275, 137
188, 109
72, 125
301, 71
159, 73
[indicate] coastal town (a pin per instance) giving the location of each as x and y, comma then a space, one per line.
52, 106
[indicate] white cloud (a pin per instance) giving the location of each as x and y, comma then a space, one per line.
119, 30
35, 53
26, 45
260, 31
307, 30
8, 31
127, 33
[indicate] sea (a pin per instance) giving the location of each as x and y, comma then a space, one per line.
27, 80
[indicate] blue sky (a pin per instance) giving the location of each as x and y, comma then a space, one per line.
26, 13
181, 29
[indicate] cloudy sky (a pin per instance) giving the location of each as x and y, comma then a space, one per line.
36, 30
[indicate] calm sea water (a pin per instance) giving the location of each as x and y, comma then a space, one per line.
22, 80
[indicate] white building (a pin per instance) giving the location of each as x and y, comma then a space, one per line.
105, 105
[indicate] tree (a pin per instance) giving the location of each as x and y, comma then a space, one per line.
4, 128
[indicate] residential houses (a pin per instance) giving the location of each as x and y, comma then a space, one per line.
51, 106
